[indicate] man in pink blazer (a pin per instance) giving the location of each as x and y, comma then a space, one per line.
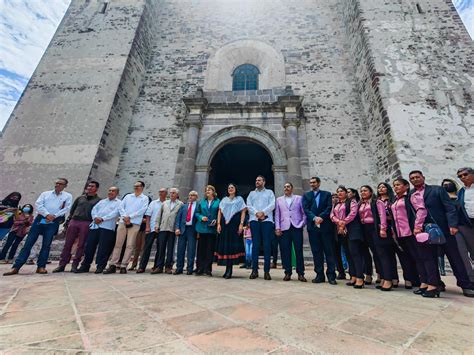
289, 222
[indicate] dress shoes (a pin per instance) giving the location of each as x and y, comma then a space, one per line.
81, 270
332, 282
273, 266
112, 269
199, 273
13, 271
431, 293
177, 272
208, 273
123, 270
140, 271
41, 270
302, 278
59, 269
189, 272
253, 275
168, 271
99, 270
468, 292
318, 280
341, 276
287, 277
74, 269
157, 271
266, 276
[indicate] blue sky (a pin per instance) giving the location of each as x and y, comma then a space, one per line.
27, 26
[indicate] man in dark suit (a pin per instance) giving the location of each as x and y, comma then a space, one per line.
465, 237
442, 211
317, 206
185, 230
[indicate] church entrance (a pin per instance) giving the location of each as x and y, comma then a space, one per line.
240, 162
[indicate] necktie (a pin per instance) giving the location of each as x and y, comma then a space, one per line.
190, 209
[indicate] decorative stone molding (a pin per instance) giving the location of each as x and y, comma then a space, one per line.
267, 59
226, 135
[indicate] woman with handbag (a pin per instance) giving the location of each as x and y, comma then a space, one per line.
344, 215
424, 254
206, 227
21, 225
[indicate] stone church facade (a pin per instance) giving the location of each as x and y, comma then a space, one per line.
355, 91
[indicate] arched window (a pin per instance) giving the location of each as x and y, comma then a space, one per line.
245, 77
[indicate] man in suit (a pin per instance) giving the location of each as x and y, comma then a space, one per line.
317, 206
185, 230
289, 222
165, 227
442, 211
465, 237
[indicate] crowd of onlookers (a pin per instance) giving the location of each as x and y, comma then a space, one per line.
367, 231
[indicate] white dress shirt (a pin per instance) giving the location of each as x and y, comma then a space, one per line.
261, 201
134, 207
469, 200
108, 210
152, 211
288, 200
51, 203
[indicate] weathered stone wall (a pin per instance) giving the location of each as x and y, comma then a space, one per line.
312, 38
57, 126
423, 57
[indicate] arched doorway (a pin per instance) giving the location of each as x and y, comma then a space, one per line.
240, 162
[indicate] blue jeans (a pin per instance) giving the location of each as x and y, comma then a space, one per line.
47, 231
262, 231
248, 250
187, 240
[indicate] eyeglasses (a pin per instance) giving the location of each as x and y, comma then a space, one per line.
463, 175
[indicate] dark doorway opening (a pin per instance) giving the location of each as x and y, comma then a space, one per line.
240, 162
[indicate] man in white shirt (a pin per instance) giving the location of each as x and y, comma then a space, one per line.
101, 234
131, 209
260, 204
165, 227
465, 237
51, 207
186, 233
150, 215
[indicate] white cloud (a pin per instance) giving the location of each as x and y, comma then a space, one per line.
26, 28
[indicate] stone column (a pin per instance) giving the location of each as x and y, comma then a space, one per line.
291, 121
193, 122
280, 175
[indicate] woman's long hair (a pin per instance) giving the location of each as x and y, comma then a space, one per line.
8, 201
390, 193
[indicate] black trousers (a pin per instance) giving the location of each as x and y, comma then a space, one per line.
407, 263
149, 240
388, 261
426, 258
369, 246
292, 237
205, 252
338, 255
344, 241
451, 250
92, 242
357, 248
105, 247
165, 249
322, 247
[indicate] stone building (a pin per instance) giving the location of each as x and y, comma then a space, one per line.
186, 92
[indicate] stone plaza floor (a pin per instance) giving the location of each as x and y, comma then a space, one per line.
78, 313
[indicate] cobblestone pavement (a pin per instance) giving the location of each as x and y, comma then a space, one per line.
188, 314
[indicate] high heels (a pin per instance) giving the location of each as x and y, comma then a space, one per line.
350, 283
359, 286
420, 291
431, 293
386, 289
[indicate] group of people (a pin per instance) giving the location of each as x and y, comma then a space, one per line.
364, 226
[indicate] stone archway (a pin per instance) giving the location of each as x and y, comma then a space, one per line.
240, 133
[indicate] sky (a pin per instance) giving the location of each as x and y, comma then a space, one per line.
27, 26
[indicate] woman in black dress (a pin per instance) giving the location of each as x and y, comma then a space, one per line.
230, 221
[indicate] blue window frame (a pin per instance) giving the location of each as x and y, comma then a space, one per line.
245, 77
